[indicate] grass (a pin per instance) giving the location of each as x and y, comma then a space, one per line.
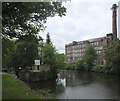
13, 88
35, 71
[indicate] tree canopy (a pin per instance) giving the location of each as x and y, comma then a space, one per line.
7, 50
59, 61
112, 57
26, 52
24, 18
90, 56
48, 54
48, 40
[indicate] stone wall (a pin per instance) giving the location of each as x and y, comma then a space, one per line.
42, 67
35, 76
43, 73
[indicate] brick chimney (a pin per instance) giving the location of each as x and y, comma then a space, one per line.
114, 20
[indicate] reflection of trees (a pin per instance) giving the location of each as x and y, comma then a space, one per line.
76, 78
60, 88
70, 79
108, 81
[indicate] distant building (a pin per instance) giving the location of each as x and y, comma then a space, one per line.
76, 50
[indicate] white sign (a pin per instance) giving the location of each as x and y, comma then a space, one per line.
37, 62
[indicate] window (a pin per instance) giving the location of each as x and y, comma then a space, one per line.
96, 43
92, 43
68, 59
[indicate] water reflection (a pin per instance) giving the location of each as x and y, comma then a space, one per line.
61, 81
80, 85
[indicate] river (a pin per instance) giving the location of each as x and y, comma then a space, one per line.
80, 85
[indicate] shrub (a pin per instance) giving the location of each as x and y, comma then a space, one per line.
80, 64
71, 66
98, 68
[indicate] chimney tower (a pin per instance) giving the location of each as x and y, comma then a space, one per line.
114, 20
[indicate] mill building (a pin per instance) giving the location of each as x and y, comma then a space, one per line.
76, 50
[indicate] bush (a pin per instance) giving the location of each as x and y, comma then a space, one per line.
98, 68
89, 57
80, 65
71, 66
112, 57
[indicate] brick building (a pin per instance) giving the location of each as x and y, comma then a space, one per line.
76, 50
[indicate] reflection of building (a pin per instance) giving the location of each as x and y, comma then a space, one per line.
76, 50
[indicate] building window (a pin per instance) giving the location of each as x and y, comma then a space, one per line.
96, 43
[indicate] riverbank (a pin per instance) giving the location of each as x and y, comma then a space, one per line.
13, 88
95, 68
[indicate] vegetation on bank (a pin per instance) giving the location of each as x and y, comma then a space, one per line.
13, 88
87, 62
112, 57
20, 34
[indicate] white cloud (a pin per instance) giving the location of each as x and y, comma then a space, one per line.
84, 20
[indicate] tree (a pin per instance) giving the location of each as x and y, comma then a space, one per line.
48, 40
25, 18
48, 54
60, 59
90, 56
112, 57
49, 58
8, 49
26, 52
80, 64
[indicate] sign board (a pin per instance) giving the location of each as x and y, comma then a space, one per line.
37, 62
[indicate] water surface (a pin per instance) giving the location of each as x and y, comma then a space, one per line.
80, 85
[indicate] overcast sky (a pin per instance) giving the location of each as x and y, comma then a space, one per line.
83, 20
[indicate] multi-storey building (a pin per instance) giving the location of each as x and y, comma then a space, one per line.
76, 50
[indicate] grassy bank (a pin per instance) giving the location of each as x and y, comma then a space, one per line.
13, 88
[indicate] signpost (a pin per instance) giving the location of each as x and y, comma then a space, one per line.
37, 63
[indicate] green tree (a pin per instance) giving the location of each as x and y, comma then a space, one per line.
24, 18
51, 57
48, 40
26, 52
60, 61
48, 56
8, 49
80, 64
90, 56
112, 57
